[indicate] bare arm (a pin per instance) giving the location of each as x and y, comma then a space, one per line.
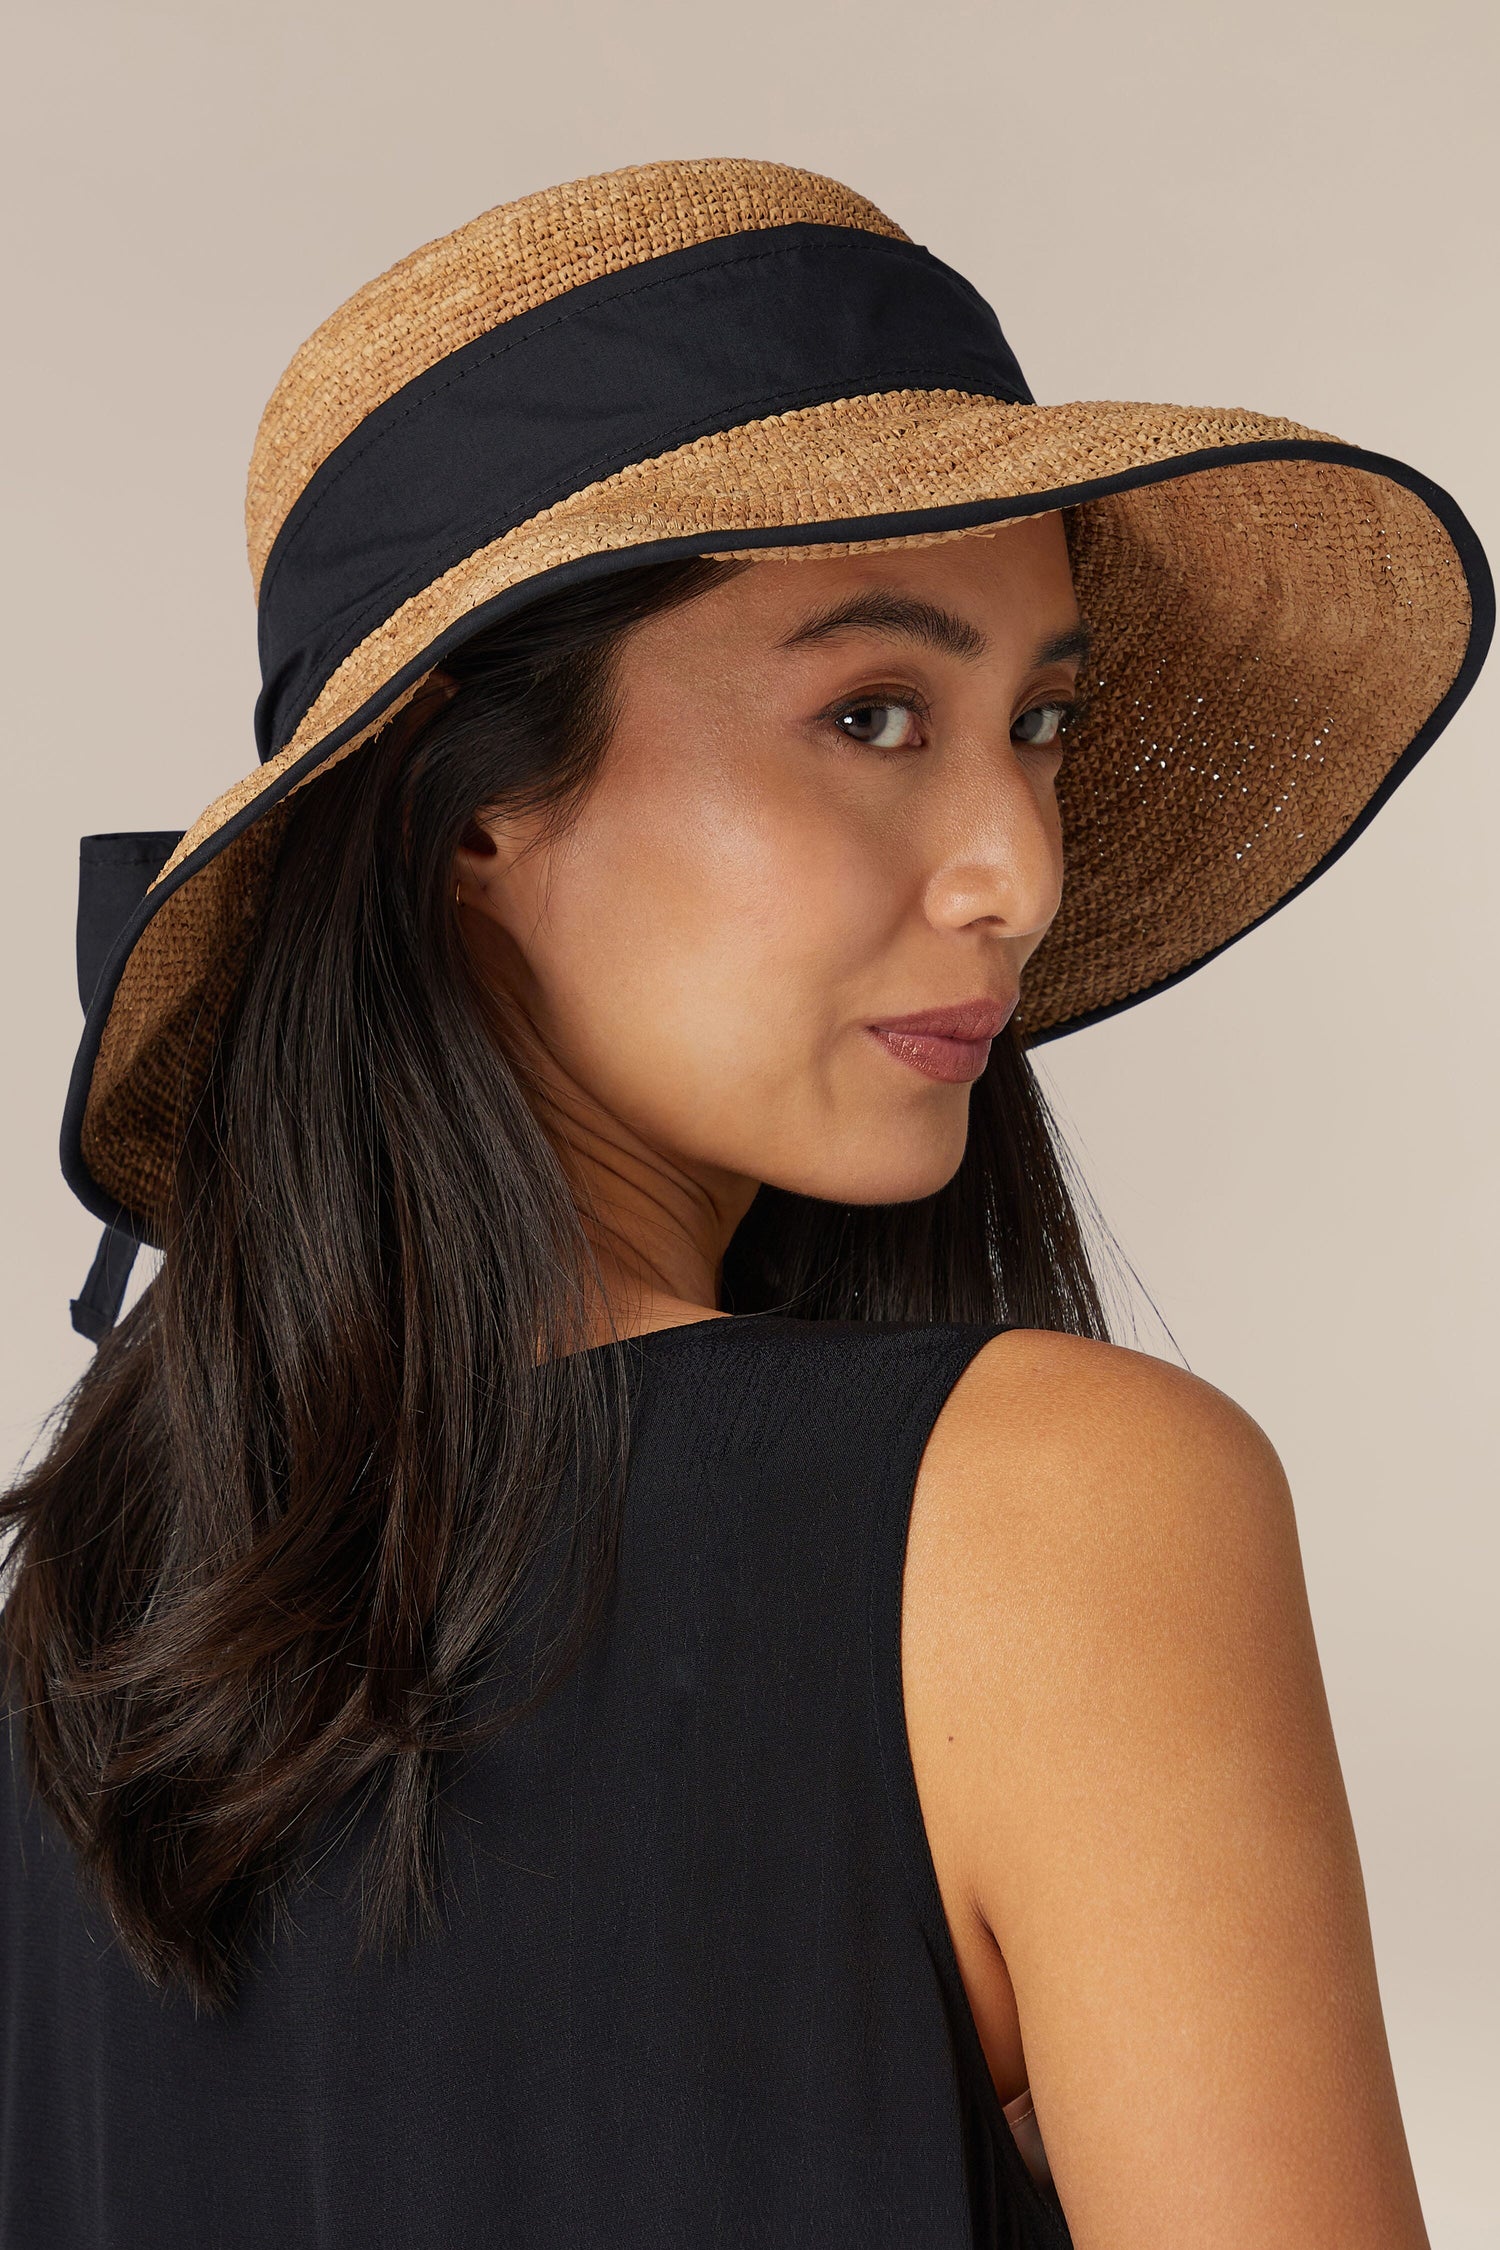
1118, 1719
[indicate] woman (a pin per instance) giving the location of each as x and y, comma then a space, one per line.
609, 1653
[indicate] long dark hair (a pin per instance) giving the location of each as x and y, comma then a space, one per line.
279, 1535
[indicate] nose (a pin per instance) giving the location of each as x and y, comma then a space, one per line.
996, 854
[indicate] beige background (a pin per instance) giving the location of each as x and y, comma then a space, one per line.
1289, 207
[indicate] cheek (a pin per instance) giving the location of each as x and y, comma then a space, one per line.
701, 942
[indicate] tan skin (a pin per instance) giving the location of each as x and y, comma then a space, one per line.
1116, 1716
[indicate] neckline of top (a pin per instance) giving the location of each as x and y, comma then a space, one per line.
738, 1323
681, 1328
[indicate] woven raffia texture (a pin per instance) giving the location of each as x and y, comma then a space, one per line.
509, 261
1269, 636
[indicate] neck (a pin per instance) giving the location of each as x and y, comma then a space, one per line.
658, 1224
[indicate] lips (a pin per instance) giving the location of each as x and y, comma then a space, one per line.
971, 1019
952, 1044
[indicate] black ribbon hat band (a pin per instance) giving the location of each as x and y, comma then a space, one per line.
614, 372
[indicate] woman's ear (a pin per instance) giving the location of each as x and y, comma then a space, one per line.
473, 863
488, 852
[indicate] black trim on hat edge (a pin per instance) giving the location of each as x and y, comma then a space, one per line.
967, 515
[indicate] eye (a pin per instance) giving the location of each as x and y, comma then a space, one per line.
1041, 726
880, 726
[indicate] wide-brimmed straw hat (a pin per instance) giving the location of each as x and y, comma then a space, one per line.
736, 358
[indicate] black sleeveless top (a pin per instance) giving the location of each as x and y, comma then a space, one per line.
694, 1988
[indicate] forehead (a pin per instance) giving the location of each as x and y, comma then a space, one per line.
1011, 584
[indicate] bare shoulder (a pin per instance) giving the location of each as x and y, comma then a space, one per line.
1090, 1511
1098, 1430
1060, 1467
1089, 1514
1090, 1525
1125, 1762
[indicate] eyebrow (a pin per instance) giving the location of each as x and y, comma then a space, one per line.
1077, 641
927, 622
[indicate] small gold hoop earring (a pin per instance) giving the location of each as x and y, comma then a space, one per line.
458, 894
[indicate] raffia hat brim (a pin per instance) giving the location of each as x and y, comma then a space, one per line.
1281, 624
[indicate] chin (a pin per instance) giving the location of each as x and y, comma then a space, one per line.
906, 1169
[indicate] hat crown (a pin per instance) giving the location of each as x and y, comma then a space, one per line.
508, 261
